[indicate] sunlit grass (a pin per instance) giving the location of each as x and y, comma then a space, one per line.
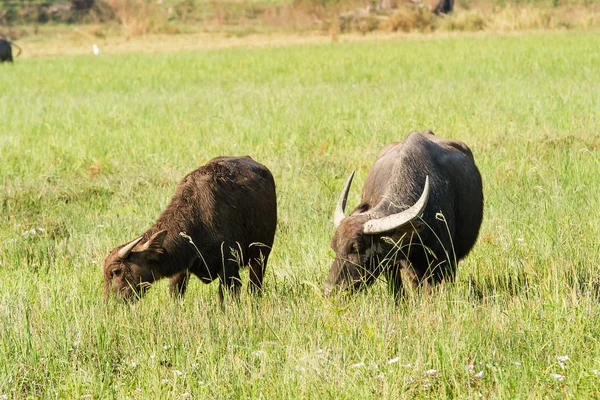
93, 147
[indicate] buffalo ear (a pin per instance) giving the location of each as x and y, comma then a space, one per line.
155, 242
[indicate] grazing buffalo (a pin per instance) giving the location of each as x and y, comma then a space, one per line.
223, 216
420, 213
6, 50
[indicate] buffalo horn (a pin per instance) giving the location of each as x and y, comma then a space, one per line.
394, 221
341, 205
124, 252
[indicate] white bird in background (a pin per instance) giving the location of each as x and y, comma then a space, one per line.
96, 49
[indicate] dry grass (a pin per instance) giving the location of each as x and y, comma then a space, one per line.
409, 17
408, 20
79, 41
140, 17
56, 41
134, 18
465, 21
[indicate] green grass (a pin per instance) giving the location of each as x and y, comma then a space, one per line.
527, 105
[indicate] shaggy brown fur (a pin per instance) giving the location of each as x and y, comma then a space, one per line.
228, 208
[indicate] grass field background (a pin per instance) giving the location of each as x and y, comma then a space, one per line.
91, 150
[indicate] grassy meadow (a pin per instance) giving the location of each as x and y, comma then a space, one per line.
92, 148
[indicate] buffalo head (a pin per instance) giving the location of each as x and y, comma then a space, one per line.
359, 245
128, 269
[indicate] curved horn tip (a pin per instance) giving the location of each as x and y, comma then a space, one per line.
340, 214
124, 252
425, 193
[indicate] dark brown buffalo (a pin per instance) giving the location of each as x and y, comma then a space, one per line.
444, 7
227, 208
6, 54
420, 213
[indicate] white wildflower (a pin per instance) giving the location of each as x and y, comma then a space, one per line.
100, 226
596, 372
95, 49
479, 374
518, 363
393, 360
358, 365
30, 232
186, 395
409, 379
166, 347
133, 364
431, 372
409, 365
558, 377
258, 353
426, 385
165, 381
77, 340
152, 356
520, 240
201, 383
320, 351
562, 360
195, 365
3, 397
470, 368
177, 372
138, 389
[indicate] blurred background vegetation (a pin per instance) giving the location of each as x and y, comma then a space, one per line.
20, 18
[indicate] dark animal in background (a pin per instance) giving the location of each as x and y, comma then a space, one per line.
420, 213
6, 54
227, 208
82, 5
444, 7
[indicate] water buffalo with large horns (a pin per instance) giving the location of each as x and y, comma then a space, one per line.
222, 217
420, 213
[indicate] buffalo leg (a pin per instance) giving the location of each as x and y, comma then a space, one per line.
178, 283
256, 269
394, 280
413, 279
231, 283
